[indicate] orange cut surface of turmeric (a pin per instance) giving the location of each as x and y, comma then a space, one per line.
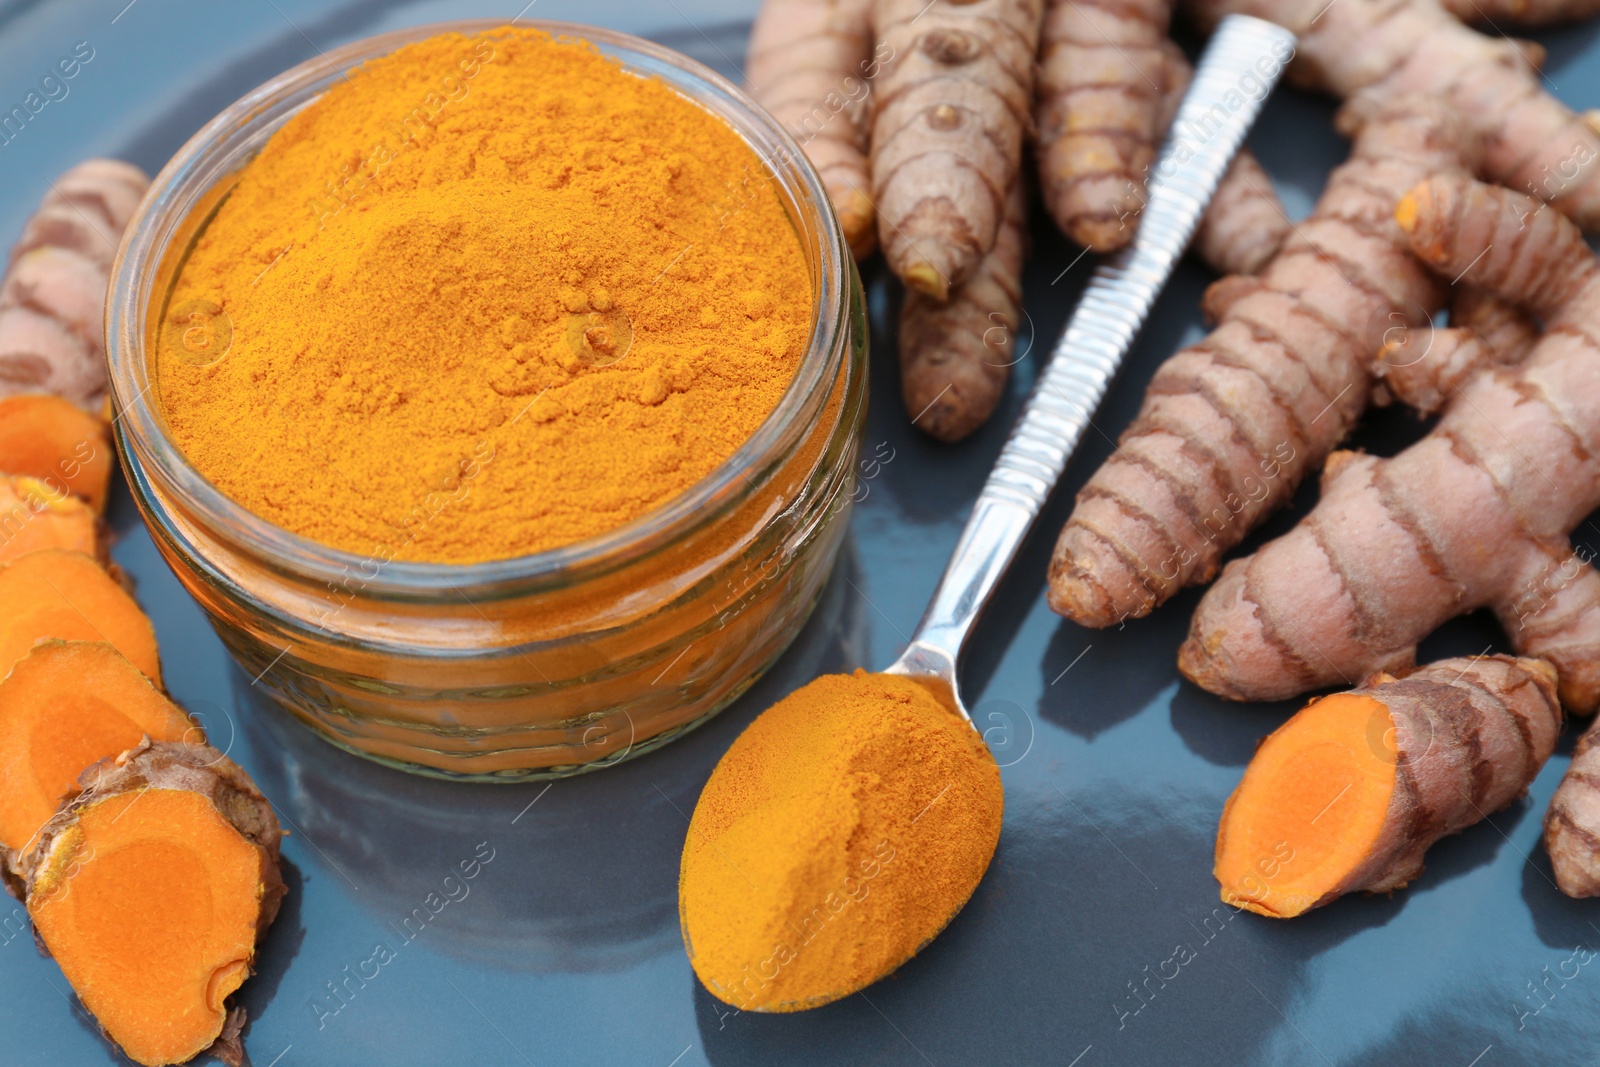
57, 442
35, 515
69, 597
487, 296
839, 834
1310, 807
64, 706
150, 903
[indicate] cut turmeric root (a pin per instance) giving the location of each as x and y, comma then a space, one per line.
151, 889
68, 449
35, 515
64, 706
1350, 793
68, 596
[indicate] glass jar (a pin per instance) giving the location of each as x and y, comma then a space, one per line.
538, 666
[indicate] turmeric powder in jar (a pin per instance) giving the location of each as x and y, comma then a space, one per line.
485, 297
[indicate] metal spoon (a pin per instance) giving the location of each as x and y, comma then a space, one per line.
1240, 65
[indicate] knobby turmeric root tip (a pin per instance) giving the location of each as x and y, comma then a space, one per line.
70, 597
1424, 369
949, 116
1098, 110
955, 357
63, 446
64, 706
1572, 824
838, 835
36, 515
1350, 793
151, 890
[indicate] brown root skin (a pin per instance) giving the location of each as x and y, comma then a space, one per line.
1350, 794
1410, 46
1230, 425
1492, 14
132, 809
51, 439
67, 596
1572, 823
1476, 514
53, 296
955, 358
1102, 73
1245, 224
1424, 369
950, 114
811, 64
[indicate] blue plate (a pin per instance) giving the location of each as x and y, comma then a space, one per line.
563, 947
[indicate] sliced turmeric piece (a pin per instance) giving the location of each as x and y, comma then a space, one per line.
64, 706
35, 515
151, 889
69, 597
1350, 793
57, 442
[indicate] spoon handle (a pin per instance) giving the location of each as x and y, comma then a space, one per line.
1240, 65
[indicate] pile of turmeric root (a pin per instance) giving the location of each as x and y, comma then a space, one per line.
918, 115
147, 860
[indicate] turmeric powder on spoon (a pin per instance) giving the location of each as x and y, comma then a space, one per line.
485, 297
837, 836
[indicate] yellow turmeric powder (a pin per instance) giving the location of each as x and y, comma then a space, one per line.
842, 830
489, 296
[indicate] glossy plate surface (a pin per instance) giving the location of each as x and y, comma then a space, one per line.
564, 948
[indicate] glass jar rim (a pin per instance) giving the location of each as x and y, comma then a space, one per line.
178, 188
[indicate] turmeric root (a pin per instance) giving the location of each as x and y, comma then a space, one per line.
67, 596
1532, 142
811, 64
947, 129
1102, 69
53, 296
1425, 368
151, 889
50, 439
1572, 823
1350, 793
35, 515
1476, 514
1245, 224
64, 706
1230, 425
1497, 13
955, 357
